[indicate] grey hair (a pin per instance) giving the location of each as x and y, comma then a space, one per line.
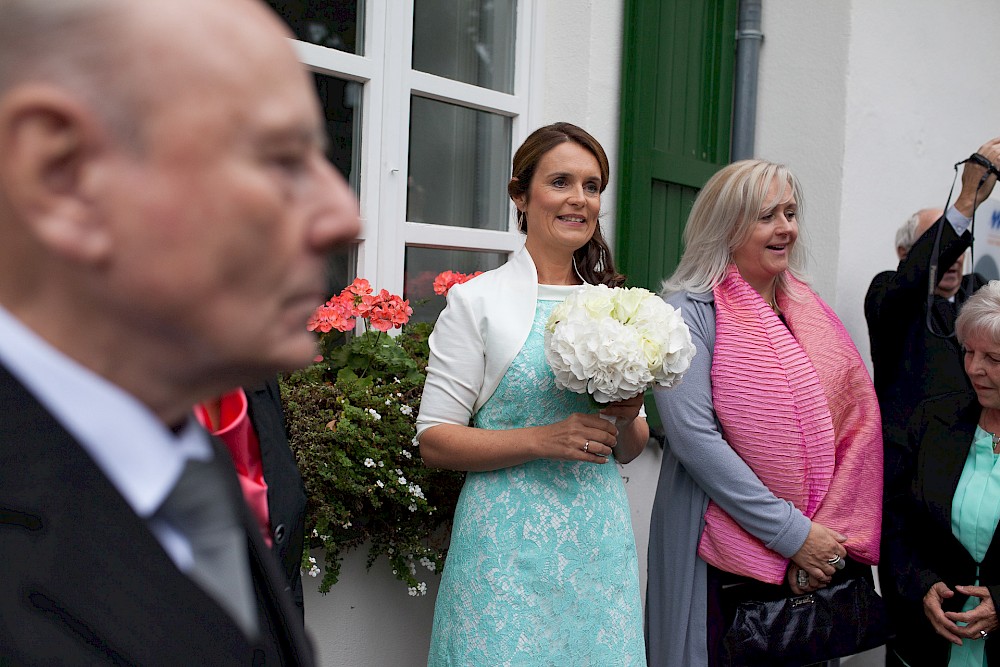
906, 235
723, 217
81, 46
980, 316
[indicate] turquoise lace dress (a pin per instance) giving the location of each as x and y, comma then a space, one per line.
542, 568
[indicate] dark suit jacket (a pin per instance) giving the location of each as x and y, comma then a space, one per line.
286, 494
910, 363
925, 551
84, 581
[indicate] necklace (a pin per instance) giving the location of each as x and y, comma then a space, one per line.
994, 436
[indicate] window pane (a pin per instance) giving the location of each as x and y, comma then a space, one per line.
459, 166
335, 24
424, 264
341, 103
342, 269
471, 41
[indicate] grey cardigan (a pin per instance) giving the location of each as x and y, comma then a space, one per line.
698, 465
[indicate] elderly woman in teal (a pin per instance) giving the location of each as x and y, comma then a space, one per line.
947, 558
542, 568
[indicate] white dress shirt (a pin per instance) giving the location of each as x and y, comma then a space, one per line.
136, 451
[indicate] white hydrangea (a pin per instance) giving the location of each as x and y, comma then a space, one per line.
615, 343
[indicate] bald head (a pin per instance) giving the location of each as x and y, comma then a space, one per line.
926, 218
163, 189
914, 228
918, 225
120, 57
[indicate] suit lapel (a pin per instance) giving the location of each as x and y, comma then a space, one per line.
84, 578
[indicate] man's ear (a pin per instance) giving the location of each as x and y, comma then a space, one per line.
50, 145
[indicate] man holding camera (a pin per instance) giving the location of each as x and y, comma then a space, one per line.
911, 328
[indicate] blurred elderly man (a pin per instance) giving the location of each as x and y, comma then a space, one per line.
915, 354
165, 215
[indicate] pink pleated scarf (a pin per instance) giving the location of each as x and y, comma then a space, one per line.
801, 411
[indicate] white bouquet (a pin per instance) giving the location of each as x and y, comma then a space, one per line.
616, 343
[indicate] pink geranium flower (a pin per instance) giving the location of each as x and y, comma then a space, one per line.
382, 311
448, 279
334, 314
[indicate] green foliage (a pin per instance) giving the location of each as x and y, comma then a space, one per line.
351, 423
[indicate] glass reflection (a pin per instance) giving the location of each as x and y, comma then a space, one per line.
424, 264
335, 24
459, 166
342, 269
471, 41
341, 104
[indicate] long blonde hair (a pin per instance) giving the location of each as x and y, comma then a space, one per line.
722, 219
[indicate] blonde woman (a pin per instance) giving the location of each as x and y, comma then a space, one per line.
772, 467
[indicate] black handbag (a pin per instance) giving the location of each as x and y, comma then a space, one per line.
771, 628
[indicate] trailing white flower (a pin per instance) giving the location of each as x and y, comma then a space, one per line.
616, 343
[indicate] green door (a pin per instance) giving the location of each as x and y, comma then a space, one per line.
676, 115
676, 112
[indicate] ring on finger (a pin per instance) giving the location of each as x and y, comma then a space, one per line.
837, 562
985, 635
586, 447
802, 578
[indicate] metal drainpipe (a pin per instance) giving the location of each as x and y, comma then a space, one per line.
748, 41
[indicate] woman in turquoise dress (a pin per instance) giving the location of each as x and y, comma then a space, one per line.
542, 567
947, 557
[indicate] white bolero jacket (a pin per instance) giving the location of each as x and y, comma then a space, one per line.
484, 326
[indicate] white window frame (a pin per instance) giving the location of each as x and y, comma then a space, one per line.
388, 82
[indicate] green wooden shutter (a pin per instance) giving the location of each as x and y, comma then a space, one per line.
676, 114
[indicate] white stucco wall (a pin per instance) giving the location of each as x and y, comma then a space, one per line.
871, 103
581, 77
